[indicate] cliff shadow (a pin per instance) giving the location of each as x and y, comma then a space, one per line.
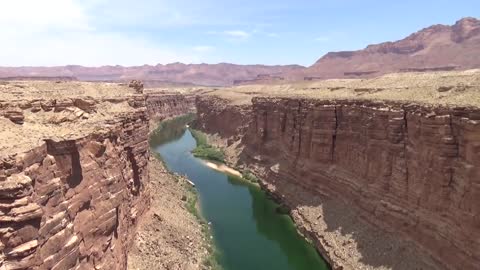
137, 184
347, 231
67, 158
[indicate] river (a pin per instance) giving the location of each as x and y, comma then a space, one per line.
248, 231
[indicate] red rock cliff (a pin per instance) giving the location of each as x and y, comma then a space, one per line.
161, 106
74, 203
413, 170
73, 183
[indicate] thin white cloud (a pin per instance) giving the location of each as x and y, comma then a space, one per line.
260, 32
233, 35
203, 48
323, 39
237, 34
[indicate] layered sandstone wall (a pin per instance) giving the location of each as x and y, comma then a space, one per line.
413, 170
161, 106
216, 116
74, 203
74, 172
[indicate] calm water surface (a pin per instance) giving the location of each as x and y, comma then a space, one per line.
248, 232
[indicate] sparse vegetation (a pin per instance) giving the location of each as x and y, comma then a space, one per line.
192, 206
249, 176
191, 202
160, 159
205, 150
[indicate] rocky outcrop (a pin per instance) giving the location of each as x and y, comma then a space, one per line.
137, 85
412, 170
74, 203
15, 116
74, 172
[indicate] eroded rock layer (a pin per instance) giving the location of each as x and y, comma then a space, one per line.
73, 172
161, 106
413, 170
74, 203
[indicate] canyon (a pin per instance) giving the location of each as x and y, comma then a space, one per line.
377, 173
348, 159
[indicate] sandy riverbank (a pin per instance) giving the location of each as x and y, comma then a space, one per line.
223, 168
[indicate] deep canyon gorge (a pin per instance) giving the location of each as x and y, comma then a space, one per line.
378, 173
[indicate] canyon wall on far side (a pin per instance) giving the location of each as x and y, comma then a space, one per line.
412, 170
161, 106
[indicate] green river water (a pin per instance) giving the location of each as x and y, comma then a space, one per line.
248, 232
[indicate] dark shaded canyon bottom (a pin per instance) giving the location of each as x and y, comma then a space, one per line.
248, 231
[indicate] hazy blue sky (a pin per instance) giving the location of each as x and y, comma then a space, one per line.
100, 32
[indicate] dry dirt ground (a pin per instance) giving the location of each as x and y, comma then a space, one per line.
169, 236
459, 88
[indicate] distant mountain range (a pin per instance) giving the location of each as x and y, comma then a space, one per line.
438, 47
435, 48
176, 73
